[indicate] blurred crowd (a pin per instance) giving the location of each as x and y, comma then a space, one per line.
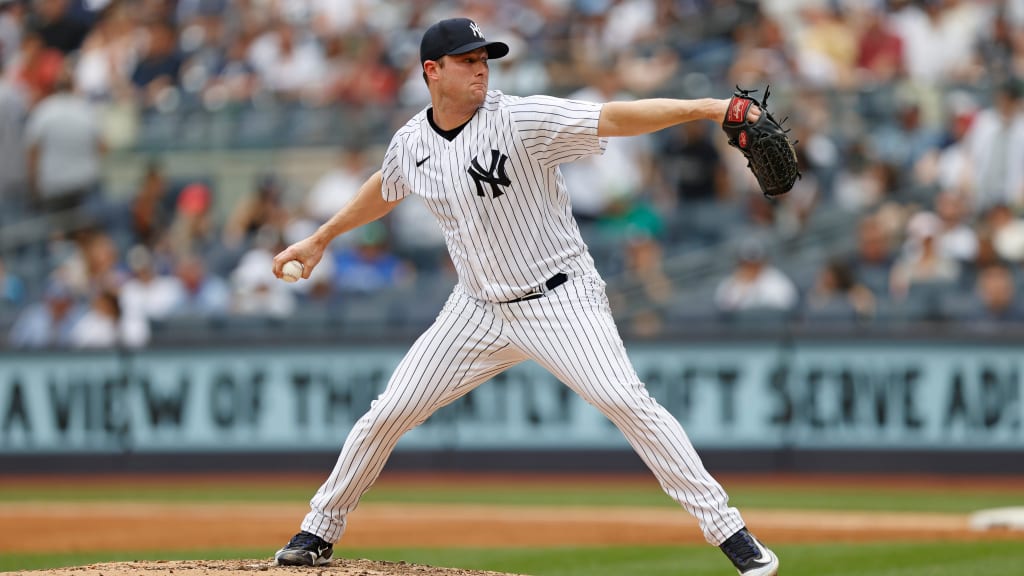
908, 115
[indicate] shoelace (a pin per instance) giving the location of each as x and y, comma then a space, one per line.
304, 540
742, 548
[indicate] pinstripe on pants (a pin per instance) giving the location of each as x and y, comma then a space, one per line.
571, 333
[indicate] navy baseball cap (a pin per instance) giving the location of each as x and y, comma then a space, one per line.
457, 36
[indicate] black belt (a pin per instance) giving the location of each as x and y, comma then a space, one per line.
538, 292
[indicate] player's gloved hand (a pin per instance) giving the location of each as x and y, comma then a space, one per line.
763, 141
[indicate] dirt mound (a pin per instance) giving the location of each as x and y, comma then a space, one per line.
340, 567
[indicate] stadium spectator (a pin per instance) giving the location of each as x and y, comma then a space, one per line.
150, 294
643, 287
369, 265
863, 180
12, 288
879, 49
53, 21
998, 51
874, 255
261, 209
225, 56
985, 257
948, 165
46, 324
755, 284
692, 169
150, 207
826, 46
516, 73
12, 24
105, 63
416, 237
65, 154
1007, 231
36, 67
255, 291
837, 296
156, 74
232, 78
620, 174
763, 54
904, 141
374, 81
91, 264
995, 148
334, 188
100, 326
957, 239
13, 178
990, 303
192, 228
996, 297
290, 62
198, 292
206, 13
922, 262
930, 27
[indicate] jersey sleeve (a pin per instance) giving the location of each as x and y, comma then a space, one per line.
556, 130
393, 184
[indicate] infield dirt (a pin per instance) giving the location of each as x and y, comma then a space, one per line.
139, 526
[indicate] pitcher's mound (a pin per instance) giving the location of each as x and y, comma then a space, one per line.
340, 567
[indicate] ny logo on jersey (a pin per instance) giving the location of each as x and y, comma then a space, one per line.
494, 175
476, 30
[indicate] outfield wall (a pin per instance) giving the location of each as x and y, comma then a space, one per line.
877, 406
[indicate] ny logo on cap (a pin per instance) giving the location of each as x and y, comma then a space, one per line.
476, 30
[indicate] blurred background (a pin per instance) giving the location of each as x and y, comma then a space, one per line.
155, 155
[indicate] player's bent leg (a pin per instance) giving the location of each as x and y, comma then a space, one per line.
572, 334
454, 355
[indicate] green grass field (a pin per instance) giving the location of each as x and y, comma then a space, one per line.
927, 499
995, 558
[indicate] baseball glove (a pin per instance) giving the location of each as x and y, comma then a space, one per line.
765, 143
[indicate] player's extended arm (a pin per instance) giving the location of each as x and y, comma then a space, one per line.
653, 114
368, 205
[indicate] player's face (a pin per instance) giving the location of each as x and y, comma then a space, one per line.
466, 75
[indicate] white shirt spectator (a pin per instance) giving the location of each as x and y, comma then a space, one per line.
256, 291
995, 151
755, 285
66, 129
95, 330
935, 49
336, 187
288, 61
595, 183
1009, 241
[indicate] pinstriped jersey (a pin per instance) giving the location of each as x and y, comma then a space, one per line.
496, 189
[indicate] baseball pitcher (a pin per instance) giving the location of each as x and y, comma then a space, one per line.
487, 166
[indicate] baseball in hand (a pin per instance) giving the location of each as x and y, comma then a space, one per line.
291, 271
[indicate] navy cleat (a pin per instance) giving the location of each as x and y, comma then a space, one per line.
305, 549
749, 556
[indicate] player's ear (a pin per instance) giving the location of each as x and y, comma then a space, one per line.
430, 68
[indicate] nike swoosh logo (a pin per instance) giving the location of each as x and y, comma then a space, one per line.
765, 555
420, 162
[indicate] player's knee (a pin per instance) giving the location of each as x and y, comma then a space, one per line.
392, 415
621, 399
